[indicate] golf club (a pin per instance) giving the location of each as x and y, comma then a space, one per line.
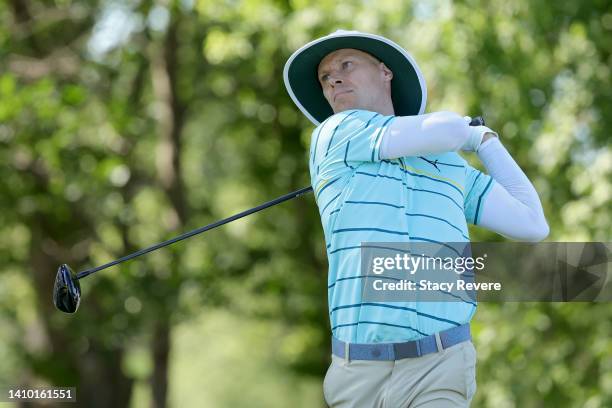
67, 290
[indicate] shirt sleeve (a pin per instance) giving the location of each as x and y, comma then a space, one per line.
346, 140
477, 187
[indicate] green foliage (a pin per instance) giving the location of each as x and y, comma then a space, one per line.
87, 118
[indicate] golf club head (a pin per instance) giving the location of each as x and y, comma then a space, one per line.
67, 290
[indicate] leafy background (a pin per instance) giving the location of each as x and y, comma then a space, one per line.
123, 123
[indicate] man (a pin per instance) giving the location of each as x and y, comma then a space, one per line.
383, 171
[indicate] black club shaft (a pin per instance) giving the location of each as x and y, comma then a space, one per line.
196, 231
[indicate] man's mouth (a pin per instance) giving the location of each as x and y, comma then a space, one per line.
340, 93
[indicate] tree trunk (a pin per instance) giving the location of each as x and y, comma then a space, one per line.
159, 378
168, 159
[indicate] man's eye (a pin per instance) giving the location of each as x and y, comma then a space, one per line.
324, 78
346, 64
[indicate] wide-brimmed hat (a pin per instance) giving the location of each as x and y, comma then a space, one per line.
408, 90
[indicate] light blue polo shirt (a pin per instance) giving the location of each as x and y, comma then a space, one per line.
362, 198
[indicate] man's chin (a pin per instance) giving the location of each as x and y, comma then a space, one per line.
345, 106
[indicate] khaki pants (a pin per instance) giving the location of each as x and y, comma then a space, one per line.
444, 379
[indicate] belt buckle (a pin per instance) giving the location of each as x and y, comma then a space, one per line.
408, 349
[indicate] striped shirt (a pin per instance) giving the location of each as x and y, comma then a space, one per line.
362, 198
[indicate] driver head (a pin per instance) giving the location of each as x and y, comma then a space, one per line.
67, 290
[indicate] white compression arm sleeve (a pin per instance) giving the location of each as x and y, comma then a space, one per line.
513, 208
431, 133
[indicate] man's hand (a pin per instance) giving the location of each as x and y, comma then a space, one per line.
478, 135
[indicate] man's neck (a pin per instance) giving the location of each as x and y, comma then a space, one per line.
386, 110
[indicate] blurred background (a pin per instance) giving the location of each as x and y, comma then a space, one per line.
124, 123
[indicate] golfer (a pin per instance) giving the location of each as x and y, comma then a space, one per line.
384, 171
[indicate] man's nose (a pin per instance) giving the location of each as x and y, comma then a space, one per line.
334, 80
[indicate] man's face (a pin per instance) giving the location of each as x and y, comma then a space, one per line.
354, 79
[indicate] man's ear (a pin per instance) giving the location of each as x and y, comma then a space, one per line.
387, 72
